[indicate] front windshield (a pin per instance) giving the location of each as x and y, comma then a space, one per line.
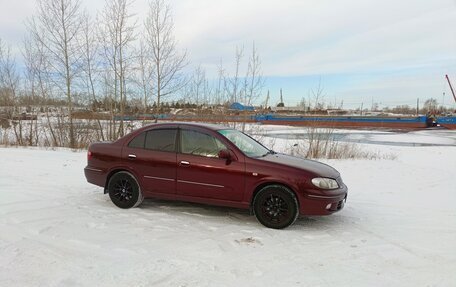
246, 144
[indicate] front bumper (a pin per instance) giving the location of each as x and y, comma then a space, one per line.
312, 204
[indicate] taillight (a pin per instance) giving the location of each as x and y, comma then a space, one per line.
89, 155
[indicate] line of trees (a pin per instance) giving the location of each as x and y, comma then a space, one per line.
114, 58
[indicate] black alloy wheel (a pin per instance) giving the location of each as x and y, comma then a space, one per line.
124, 190
276, 206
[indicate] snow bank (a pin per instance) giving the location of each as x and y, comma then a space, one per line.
398, 229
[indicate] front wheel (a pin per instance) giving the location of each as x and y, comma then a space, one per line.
124, 190
276, 206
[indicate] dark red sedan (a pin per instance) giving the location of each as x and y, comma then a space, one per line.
213, 165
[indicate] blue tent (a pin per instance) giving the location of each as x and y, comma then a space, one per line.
240, 107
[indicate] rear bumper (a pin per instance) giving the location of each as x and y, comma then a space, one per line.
95, 176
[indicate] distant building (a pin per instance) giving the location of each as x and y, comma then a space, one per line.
240, 107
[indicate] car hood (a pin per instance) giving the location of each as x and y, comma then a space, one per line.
312, 166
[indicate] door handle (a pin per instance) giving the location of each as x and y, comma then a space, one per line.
131, 156
184, 163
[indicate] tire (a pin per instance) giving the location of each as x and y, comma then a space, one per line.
124, 190
275, 206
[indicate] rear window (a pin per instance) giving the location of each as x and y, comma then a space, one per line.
138, 141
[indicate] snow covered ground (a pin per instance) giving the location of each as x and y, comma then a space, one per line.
398, 228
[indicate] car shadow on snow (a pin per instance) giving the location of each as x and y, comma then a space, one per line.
330, 222
238, 216
194, 209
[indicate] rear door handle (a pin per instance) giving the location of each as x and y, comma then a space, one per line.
184, 163
131, 156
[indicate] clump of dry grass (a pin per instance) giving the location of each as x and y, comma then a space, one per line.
337, 150
321, 143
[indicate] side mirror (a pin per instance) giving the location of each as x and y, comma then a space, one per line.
226, 154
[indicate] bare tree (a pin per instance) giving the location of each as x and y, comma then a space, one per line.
90, 66
9, 82
220, 89
144, 77
9, 78
30, 63
39, 75
30, 84
200, 90
117, 35
303, 104
430, 105
57, 27
233, 83
317, 96
253, 81
246, 88
168, 61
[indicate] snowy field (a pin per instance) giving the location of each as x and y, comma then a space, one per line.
398, 227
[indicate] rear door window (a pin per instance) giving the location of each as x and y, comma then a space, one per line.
138, 141
161, 140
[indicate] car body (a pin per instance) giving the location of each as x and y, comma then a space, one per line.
215, 165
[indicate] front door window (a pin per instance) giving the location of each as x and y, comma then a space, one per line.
196, 143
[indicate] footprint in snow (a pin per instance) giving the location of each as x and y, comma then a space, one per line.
248, 241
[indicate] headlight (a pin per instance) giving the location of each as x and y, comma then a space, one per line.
325, 183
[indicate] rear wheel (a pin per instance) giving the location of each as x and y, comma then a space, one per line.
124, 190
276, 206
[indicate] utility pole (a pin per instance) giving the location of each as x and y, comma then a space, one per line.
417, 106
443, 100
281, 97
281, 104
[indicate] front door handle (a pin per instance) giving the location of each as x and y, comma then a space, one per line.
184, 163
131, 156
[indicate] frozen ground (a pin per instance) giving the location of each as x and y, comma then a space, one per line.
435, 137
398, 229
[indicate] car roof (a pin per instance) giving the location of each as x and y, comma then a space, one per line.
214, 127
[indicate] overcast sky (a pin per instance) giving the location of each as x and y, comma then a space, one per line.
390, 52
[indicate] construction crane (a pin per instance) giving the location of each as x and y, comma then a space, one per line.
451, 87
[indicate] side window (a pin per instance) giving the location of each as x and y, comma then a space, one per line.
161, 140
138, 141
196, 143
